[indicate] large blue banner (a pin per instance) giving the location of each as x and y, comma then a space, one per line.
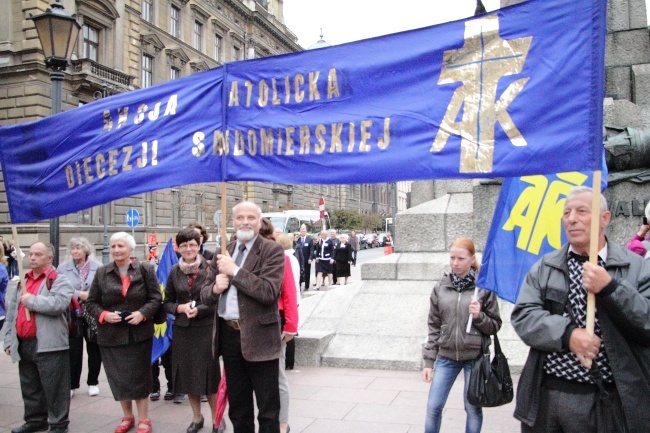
514, 92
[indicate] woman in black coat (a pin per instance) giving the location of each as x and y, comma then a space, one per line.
195, 371
124, 299
343, 258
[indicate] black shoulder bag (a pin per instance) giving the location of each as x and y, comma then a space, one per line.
490, 383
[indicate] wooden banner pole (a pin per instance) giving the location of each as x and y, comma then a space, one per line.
593, 250
19, 260
224, 189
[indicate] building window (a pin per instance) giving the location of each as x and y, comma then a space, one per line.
84, 217
91, 42
148, 209
236, 53
198, 35
218, 42
147, 10
198, 208
174, 73
175, 22
147, 71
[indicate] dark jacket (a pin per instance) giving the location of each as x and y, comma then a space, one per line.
343, 253
328, 251
623, 311
144, 295
307, 251
448, 317
258, 283
177, 292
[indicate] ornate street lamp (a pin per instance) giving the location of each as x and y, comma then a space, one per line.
58, 33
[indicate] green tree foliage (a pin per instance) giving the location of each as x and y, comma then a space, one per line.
373, 221
346, 219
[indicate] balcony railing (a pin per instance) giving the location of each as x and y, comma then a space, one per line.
107, 74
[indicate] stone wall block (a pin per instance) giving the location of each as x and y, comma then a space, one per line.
39, 100
618, 82
7, 103
421, 191
641, 83
15, 91
622, 113
442, 187
638, 17
618, 15
627, 48
485, 200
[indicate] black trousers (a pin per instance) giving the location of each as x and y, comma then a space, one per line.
76, 361
566, 412
245, 378
307, 273
166, 361
45, 384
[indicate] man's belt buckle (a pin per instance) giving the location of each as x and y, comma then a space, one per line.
234, 324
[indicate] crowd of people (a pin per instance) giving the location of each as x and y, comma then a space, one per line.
241, 306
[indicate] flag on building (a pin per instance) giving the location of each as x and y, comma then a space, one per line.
162, 337
527, 224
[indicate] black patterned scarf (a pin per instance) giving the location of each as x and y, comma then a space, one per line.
463, 283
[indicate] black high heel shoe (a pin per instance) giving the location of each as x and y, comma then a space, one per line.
195, 426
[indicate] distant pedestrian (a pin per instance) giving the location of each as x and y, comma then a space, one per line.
355, 244
343, 258
204, 239
448, 345
4, 282
325, 260
306, 244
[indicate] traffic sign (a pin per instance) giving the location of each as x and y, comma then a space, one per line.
217, 218
132, 217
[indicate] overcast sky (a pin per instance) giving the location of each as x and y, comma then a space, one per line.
351, 20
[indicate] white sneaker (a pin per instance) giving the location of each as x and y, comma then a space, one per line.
93, 390
71, 393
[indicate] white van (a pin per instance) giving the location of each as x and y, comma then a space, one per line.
291, 220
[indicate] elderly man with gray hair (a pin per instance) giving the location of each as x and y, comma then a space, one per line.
573, 380
38, 341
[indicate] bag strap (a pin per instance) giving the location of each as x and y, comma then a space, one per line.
497, 346
49, 279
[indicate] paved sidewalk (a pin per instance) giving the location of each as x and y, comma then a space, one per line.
323, 400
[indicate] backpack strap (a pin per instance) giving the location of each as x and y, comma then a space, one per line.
49, 279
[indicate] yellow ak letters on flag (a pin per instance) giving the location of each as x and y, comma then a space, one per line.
539, 209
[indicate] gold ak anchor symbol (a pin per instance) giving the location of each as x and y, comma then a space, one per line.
479, 65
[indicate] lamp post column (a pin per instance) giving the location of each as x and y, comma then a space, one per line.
57, 81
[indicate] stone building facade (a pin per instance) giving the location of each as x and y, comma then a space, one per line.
130, 44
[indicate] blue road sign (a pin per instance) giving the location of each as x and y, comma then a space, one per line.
132, 217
